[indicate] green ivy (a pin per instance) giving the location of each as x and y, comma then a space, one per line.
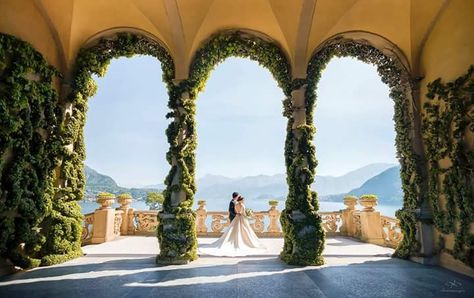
238, 44
30, 150
394, 75
91, 61
40, 221
177, 233
448, 119
304, 239
303, 234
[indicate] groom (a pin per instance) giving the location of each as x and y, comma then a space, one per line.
235, 196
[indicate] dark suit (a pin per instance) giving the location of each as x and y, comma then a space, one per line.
231, 210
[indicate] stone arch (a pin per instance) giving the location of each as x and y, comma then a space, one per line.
176, 232
92, 59
243, 43
124, 41
394, 70
113, 32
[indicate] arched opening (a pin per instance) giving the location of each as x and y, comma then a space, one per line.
355, 147
393, 73
303, 236
355, 139
241, 135
125, 132
106, 223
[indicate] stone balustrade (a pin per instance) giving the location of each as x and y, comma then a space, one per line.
368, 224
264, 223
144, 222
88, 223
331, 222
391, 231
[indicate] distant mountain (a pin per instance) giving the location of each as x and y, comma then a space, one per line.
217, 188
379, 178
251, 187
386, 185
326, 185
159, 186
96, 183
212, 180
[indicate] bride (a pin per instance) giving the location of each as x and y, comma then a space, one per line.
238, 240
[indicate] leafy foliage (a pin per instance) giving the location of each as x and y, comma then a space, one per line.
304, 240
154, 200
273, 202
126, 195
94, 60
396, 77
447, 123
368, 197
107, 195
39, 223
176, 233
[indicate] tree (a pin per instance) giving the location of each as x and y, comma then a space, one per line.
154, 200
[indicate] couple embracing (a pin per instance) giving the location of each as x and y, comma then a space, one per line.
239, 239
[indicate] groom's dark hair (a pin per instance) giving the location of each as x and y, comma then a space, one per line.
235, 195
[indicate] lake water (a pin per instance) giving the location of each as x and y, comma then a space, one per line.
259, 205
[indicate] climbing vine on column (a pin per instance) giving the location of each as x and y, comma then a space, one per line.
30, 149
396, 77
177, 231
448, 132
93, 60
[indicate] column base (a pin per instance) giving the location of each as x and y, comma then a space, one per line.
424, 260
160, 261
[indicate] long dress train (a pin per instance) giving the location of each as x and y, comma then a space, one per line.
238, 240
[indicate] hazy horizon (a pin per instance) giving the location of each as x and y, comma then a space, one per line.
240, 126
239, 177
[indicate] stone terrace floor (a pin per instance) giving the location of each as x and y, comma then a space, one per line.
126, 268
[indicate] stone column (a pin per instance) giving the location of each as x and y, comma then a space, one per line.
303, 233
299, 109
425, 235
104, 220
176, 231
125, 200
348, 227
370, 221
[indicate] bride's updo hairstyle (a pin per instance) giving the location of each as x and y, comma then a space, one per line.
240, 199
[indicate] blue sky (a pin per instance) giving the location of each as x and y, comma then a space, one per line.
241, 130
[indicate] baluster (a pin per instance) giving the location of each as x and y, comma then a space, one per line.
125, 200
217, 226
201, 217
274, 215
258, 225
349, 227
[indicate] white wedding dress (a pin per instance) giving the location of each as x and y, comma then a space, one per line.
239, 239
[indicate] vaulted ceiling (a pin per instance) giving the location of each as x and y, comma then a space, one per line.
60, 28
